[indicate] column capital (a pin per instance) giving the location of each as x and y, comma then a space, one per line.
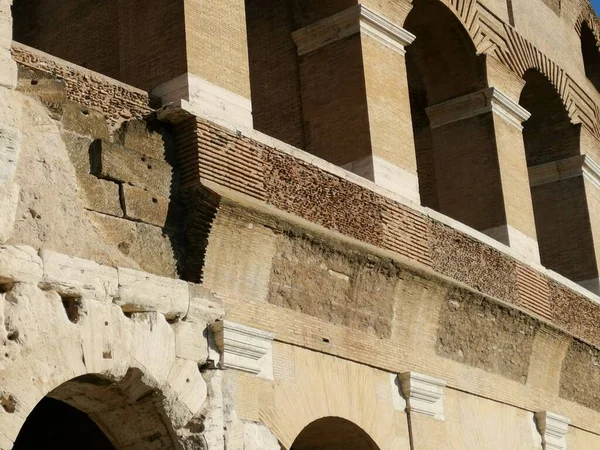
423, 394
355, 20
480, 102
553, 428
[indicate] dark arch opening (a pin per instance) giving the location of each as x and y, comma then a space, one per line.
333, 433
55, 425
457, 159
552, 146
591, 55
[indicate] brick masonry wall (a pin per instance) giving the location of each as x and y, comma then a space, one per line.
139, 42
117, 101
210, 153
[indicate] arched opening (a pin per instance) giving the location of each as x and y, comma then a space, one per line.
333, 433
96, 413
54, 424
456, 154
552, 147
591, 55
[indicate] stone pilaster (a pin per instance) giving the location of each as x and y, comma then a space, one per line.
482, 180
217, 82
355, 97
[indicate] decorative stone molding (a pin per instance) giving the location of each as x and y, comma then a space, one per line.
575, 166
354, 20
423, 394
480, 102
553, 428
205, 99
243, 348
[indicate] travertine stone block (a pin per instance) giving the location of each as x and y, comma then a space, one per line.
146, 138
78, 277
423, 394
142, 292
188, 387
121, 164
243, 348
191, 342
10, 145
145, 206
553, 428
20, 263
259, 437
9, 200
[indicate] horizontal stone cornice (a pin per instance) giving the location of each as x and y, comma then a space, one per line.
355, 20
480, 102
575, 166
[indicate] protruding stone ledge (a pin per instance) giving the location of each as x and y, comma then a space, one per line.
480, 102
142, 292
354, 20
75, 277
243, 348
553, 428
423, 394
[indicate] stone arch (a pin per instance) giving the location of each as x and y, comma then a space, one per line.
82, 350
333, 433
324, 386
558, 191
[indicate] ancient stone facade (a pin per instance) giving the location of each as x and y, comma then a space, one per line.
303, 224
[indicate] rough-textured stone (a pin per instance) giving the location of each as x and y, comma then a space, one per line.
10, 147
142, 292
580, 376
121, 164
145, 206
149, 138
191, 341
84, 121
146, 247
258, 437
19, 263
478, 332
9, 199
50, 91
78, 277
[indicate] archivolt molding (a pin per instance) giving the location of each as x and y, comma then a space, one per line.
60, 320
493, 37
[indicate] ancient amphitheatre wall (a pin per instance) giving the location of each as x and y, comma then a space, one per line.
331, 294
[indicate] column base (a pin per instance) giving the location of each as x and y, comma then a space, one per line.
206, 99
387, 176
522, 244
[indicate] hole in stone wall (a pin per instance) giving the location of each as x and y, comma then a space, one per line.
85, 112
326, 340
107, 355
34, 82
13, 335
73, 307
154, 200
149, 167
8, 402
5, 287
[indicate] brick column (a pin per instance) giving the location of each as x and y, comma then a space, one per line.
480, 166
355, 97
217, 82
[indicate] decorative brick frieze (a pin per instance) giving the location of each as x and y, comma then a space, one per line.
243, 348
423, 394
354, 20
471, 105
554, 429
